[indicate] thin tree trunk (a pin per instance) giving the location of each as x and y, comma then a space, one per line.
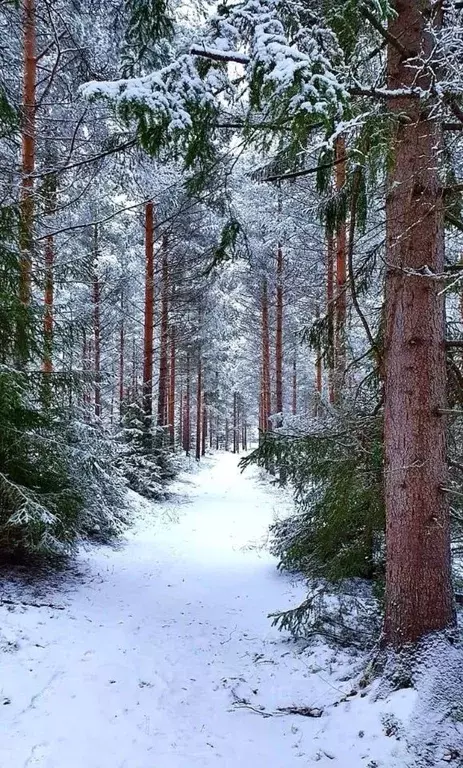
265, 386
199, 414
235, 422
204, 433
294, 403
227, 433
121, 356
148, 312
330, 314
187, 410
279, 332
28, 147
418, 581
134, 372
97, 323
341, 273
85, 366
180, 415
163, 355
49, 193
172, 385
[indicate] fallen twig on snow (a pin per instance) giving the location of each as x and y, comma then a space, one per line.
5, 601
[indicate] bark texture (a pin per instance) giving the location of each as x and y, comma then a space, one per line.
28, 147
97, 324
163, 355
418, 584
199, 410
148, 312
330, 312
172, 385
265, 383
341, 272
279, 332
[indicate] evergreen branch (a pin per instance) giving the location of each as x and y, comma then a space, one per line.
215, 54
391, 39
350, 253
305, 171
454, 220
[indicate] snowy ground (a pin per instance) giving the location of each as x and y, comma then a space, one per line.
161, 640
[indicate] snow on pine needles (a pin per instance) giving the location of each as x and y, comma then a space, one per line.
159, 653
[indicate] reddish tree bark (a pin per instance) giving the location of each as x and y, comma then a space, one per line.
28, 147
418, 581
164, 338
199, 411
96, 288
187, 410
265, 384
279, 332
172, 385
148, 312
121, 355
330, 313
341, 272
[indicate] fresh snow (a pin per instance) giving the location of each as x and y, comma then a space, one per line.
160, 642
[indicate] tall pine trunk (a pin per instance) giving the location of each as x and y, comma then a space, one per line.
96, 290
28, 147
187, 410
163, 355
341, 272
121, 355
50, 204
172, 385
148, 312
418, 580
294, 402
279, 332
199, 412
204, 432
330, 313
318, 367
265, 383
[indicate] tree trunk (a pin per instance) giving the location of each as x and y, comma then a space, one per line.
199, 413
172, 385
318, 367
330, 314
148, 312
28, 148
97, 323
279, 333
341, 273
227, 434
134, 372
187, 410
163, 355
204, 434
121, 356
294, 403
49, 194
265, 386
418, 580
236, 444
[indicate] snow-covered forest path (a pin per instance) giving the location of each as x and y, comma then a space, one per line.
159, 640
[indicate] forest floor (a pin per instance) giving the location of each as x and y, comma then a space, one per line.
159, 653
